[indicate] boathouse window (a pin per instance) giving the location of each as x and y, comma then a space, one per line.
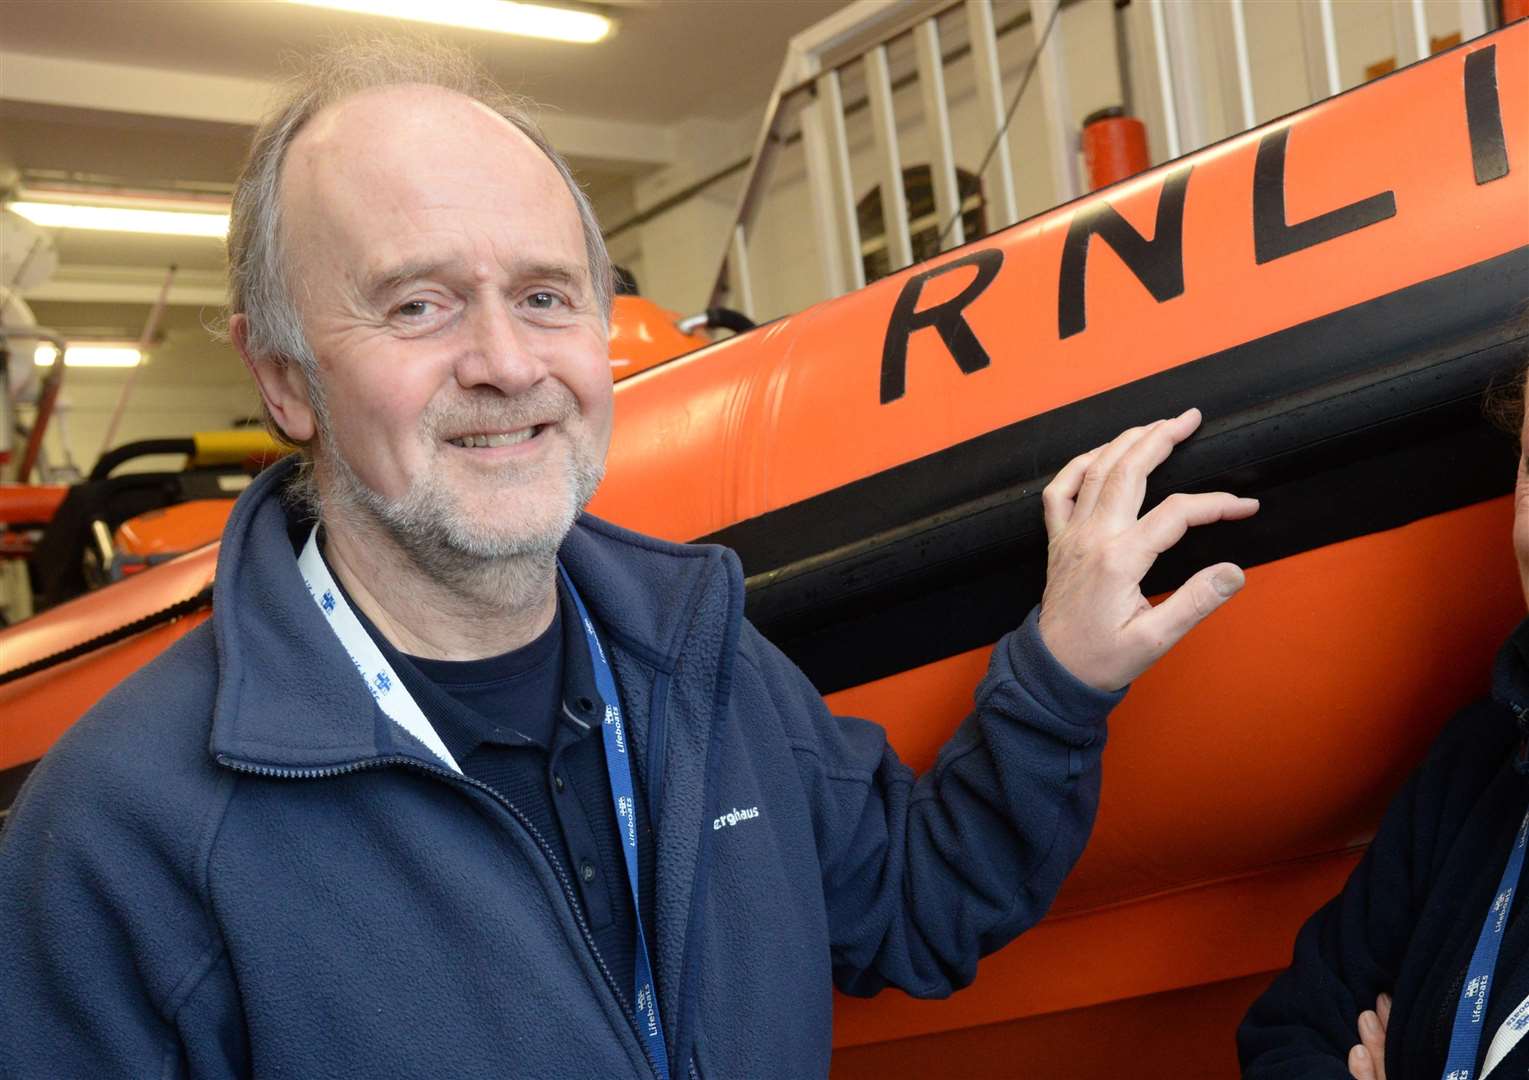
924, 225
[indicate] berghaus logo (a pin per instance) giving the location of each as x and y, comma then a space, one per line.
733, 816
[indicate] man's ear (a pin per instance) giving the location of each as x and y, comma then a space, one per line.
282, 386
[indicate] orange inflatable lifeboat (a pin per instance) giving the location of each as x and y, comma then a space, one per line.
1335, 290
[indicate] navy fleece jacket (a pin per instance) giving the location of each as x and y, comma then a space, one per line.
236, 865
1409, 916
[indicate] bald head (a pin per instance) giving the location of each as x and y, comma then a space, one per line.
407, 177
263, 317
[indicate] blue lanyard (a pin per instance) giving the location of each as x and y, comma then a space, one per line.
618, 765
1465, 1035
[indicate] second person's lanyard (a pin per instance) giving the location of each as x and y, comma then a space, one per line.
1465, 1034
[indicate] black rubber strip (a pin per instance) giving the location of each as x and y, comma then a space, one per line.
1359, 421
111, 637
1483, 302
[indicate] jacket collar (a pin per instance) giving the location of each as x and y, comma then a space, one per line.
1510, 687
289, 699
1510, 673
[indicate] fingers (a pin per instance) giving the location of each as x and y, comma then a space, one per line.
1125, 483
1360, 1067
1372, 1035
1383, 1011
1094, 618
1109, 456
1057, 498
1167, 522
1119, 466
1163, 626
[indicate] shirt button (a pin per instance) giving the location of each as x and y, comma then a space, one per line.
587, 871
557, 782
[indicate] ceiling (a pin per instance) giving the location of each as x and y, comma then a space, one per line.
665, 62
162, 95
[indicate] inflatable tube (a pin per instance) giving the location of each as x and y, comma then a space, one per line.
1335, 290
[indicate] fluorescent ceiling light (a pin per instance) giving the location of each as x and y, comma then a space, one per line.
502, 16
94, 354
123, 219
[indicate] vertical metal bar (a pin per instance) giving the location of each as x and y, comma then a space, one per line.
761, 169
1123, 58
1244, 65
47, 398
820, 189
1165, 80
1330, 47
1188, 89
831, 96
145, 339
1062, 136
998, 183
738, 259
942, 159
894, 200
1409, 29
1473, 19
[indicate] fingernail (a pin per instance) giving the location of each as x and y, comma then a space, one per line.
1361, 1054
1386, 998
1368, 1025
1228, 581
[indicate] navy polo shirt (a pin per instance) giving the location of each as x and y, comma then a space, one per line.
527, 724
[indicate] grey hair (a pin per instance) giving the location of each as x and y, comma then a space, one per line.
258, 284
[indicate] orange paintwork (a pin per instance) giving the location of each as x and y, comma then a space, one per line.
1245, 771
644, 335
174, 530
34, 711
1114, 148
1233, 794
30, 504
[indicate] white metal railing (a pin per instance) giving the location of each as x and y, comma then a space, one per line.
810, 95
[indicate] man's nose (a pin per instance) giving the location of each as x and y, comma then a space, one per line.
500, 352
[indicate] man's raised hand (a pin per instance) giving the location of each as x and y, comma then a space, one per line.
1094, 618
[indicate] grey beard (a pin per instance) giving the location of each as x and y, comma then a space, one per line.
472, 562
469, 561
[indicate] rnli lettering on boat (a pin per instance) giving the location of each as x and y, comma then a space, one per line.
1403, 181
1157, 263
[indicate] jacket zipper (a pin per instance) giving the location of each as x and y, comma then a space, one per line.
525, 823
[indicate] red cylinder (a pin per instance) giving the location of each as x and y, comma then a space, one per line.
1513, 10
1114, 147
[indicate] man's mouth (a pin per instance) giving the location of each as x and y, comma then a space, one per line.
497, 438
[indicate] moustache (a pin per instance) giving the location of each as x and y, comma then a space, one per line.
548, 402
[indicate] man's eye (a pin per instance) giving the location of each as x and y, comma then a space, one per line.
413, 309
544, 301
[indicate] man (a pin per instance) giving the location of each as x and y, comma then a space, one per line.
387, 814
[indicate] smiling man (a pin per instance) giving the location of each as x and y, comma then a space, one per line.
458, 782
